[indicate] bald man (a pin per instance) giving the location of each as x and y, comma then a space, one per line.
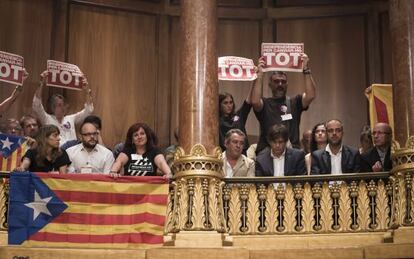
377, 159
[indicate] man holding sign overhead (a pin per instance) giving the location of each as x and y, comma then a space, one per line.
62, 75
281, 109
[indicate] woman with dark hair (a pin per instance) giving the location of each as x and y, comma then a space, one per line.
140, 156
47, 156
319, 140
232, 119
365, 139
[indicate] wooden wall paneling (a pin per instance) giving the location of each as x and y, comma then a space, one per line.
25, 27
59, 42
117, 52
385, 51
373, 47
336, 47
174, 71
240, 38
163, 91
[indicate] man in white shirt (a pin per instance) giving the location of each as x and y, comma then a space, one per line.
89, 156
336, 158
235, 164
279, 160
57, 105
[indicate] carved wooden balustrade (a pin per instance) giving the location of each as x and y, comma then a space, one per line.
327, 204
361, 202
364, 202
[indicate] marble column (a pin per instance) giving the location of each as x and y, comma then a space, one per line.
401, 15
198, 118
196, 201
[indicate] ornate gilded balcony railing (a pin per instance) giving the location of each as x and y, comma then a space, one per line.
309, 204
363, 202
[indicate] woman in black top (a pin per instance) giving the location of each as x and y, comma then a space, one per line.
140, 156
47, 156
231, 119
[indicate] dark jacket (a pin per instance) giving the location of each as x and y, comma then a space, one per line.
294, 163
369, 158
350, 161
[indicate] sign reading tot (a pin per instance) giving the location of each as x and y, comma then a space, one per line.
64, 75
282, 56
236, 69
11, 68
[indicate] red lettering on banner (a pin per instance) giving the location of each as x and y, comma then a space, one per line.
236, 69
282, 56
11, 68
64, 75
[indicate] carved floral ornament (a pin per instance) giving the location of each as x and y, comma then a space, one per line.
402, 158
198, 162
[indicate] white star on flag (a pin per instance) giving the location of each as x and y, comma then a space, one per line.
39, 205
7, 143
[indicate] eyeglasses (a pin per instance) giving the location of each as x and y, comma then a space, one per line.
380, 133
337, 130
91, 134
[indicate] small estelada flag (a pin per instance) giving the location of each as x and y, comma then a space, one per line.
9, 144
283, 56
64, 75
11, 68
232, 68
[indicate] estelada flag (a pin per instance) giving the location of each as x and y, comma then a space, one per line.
380, 105
86, 210
12, 149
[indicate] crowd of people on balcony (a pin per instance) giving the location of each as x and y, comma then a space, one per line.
54, 146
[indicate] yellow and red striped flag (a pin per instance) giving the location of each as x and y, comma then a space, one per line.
380, 105
86, 210
12, 149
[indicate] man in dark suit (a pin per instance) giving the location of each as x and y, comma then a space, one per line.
277, 160
336, 158
377, 159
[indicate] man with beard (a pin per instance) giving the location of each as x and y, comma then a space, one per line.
377, 159
336, 158
281, 109
89, 156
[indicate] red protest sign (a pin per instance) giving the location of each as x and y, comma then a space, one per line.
282, 56
236, 69
11, 68
64, 75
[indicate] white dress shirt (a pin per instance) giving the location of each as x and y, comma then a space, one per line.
67, 126
278, 164
336, 165
99, 160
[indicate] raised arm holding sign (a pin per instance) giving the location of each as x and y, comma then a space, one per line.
64, 75
281, 109
283, 56
57, 106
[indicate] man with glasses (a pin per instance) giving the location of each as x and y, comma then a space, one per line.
89, 156
336, 158
281, 109
377, 159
